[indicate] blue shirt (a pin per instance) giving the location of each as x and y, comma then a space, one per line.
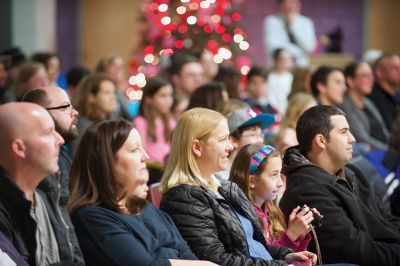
256, 249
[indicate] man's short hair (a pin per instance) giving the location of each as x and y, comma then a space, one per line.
381, 60
178, 61
316, 120
321, 76
257, 71
37, 96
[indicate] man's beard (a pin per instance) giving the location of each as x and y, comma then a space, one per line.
68, 135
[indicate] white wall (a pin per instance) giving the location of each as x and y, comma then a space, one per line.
33, 25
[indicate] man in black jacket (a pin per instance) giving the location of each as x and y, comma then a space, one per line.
355, 229
29, 149
56, 186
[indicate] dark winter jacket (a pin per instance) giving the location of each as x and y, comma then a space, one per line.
354, 228
16, 223
211, 227
56, 191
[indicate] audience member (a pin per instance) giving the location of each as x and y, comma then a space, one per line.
231, 77
301, 80
216, 220
113, 66
257, 171
366, 123
95, 101
234, 104
298, 104
155, 124
280, 80
51, 63
245, 127
291, 31
186, 75
115, 226
257, 91
74, 76
387, 83
209, 65
16, 59
30, 76
3, 81
317, 176
56, 187
387, 164
212, 95
29, 149
328, 85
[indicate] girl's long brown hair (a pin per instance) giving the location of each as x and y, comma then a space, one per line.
240, 174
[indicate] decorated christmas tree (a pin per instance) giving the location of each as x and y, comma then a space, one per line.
190, 26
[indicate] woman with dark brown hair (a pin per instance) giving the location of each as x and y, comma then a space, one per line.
114, 225
212, 95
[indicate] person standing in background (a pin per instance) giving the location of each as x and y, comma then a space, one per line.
290, 31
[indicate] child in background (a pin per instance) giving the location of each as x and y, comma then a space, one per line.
257, 171
155, 123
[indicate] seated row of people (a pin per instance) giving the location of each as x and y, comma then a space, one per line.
205, 218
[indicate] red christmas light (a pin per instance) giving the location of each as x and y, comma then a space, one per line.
183, 28
236, 17
220, 29
179, 44
149, 49
207, 29
226, 37
238, 31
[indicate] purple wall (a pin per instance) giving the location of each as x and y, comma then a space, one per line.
326, 14
68, 33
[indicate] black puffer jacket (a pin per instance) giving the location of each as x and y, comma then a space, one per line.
211, 227
354, 229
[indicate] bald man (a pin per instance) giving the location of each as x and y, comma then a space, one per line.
29, 150
56, 186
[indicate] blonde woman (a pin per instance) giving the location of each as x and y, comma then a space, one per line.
216, 219
298, 104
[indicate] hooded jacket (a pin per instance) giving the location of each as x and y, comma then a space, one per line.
354, 229
211, 227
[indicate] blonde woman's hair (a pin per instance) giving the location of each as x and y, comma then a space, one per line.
182, 167
296, 105
105, 61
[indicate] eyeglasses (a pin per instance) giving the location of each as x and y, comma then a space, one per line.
65, 107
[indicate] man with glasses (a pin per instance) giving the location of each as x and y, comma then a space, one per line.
56, 187
245, 127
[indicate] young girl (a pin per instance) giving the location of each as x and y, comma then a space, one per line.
257, 171
155, 122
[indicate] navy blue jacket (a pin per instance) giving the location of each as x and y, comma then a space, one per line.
110, 238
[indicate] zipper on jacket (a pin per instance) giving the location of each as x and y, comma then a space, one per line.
66, 227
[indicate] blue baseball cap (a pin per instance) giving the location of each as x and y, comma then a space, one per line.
247, 117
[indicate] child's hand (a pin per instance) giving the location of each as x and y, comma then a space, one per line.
299, 223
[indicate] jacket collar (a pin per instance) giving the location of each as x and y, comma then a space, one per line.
293, 159
11, 191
